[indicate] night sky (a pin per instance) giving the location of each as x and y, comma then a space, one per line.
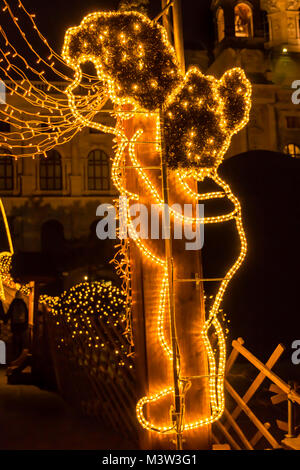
55, 16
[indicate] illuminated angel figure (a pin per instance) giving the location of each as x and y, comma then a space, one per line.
136, 68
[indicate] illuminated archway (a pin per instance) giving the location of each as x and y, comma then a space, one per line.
243, 20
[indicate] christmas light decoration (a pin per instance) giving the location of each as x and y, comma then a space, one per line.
196, 116
6, 278
51, 122
216, 368
5, 261
202, 114
88, 306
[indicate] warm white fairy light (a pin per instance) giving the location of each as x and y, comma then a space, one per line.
216, 370
162, 90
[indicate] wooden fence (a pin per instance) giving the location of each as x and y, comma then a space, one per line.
235, 434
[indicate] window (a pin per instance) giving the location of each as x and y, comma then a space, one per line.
51, 171
6, 173
220, 24
243, 20
293, 122
98, 170
293, 150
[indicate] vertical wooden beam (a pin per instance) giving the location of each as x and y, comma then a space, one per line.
154, 369
167, 19
178, 33
166, 228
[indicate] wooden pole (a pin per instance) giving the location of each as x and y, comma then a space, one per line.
154, 369
31, 311
178, 33
167, 19
178, 406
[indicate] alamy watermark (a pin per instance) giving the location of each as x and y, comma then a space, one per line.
296, 354
296, 93
2, 92
2, 353
137, 221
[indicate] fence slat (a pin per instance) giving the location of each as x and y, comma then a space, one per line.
258, 380
233, 356
252, 416
228, 436
238, 430
258, 435
273, 377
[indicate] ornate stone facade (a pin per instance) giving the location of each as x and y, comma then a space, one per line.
272, 62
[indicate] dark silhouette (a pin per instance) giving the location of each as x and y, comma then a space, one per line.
18, 314
262, 299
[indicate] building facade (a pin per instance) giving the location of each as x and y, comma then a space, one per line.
262, 37
56, 198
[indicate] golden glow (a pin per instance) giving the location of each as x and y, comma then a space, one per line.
227, 129
216, 370
49, 122
201, 152
6, 278
5, 258
88, 303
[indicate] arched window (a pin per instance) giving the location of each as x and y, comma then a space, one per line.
220, 24
6, 172
293, 150
51, 171
98, 170
243, 20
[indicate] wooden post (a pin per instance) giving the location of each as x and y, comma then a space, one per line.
166, 228
154, 369
166, 19
178, 33
291, 430
31, 311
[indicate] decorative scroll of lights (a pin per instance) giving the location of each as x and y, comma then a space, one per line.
136, 67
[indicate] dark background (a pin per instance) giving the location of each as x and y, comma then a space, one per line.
54, 17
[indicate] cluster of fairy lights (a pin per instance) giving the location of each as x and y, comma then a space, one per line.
94, 315
41, 117
121, 262
216, 370
5, 275
6, 278
137, 69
